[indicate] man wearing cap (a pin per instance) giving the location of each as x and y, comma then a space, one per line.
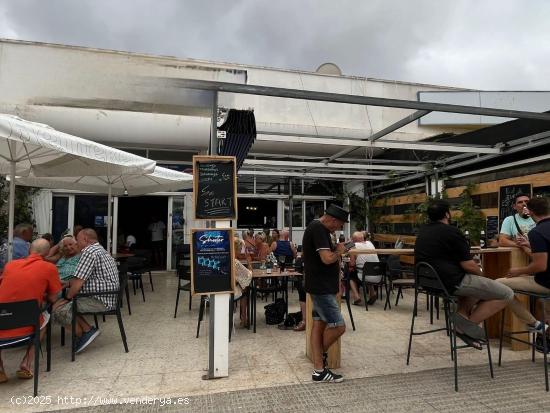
322, 273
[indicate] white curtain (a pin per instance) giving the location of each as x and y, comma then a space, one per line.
41, 209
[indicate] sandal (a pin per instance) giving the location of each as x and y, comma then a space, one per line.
470, 342
24, 374
358, 302
3, 377
301, 326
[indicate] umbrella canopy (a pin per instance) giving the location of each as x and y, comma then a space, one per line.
161, 179
28, 146
48, 152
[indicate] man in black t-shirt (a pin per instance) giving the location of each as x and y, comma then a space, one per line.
446, 249
322, 273
522, 278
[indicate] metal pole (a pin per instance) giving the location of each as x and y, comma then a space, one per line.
213, 150
11, 206
109, 217
290, 209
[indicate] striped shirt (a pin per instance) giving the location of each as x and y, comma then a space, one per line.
99, 271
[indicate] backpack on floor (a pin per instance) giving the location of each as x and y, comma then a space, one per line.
275, 312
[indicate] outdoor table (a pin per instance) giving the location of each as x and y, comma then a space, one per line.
258, 274
495, 262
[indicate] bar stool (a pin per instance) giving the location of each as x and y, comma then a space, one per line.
510, 334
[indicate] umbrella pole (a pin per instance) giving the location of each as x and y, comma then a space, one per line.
109, 212
11, 210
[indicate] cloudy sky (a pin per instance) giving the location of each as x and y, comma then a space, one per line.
491, 44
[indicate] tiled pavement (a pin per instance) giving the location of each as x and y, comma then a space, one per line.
515, 389
166, 360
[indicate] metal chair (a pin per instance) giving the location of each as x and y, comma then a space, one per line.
533, 297
347, 289
395, 276
427, 280
115, 311
25, 314
375, 269
183, 271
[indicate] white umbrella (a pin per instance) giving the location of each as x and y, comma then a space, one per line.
162, 179
28, 146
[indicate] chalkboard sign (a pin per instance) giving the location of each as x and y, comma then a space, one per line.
212, 263
215, 187
506, 199
492, 229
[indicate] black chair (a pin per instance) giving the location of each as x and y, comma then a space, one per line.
533, 297
123, 273
117, 294
396, 276
347, 289
375, 269
25, 314
136, 268
146, 267
427, 280
183, 271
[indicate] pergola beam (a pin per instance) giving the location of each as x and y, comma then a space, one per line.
336, 177
314, 165
381, 133
337, 97
422, 146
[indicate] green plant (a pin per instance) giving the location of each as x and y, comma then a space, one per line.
472, 219
422, 209
23, 205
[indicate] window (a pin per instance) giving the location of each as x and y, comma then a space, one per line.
314, 209
257, 213
297, 214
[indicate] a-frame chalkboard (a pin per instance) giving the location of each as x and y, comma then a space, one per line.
215, 187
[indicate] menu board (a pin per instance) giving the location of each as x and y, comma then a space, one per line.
215, 187
212, 263
506, 198
492, 229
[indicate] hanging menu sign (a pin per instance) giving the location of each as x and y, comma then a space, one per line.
215, 187
212, 263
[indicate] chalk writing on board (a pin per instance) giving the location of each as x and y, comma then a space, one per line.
215, 189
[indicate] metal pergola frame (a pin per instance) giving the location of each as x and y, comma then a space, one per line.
466, 154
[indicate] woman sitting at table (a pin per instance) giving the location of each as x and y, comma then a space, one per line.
262, 249
70, 255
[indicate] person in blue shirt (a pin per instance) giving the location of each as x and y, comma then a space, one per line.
22, 236
516, 227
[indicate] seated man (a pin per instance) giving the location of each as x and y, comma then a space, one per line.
282, 247
522, 278
96, 271
70, 256
356, 264
29, 278
22, 235
446, 249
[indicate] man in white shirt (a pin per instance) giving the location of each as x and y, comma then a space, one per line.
158, 229
356, 268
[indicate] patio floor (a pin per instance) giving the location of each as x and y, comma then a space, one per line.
166, 360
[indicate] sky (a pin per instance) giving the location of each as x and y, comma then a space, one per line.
483, 44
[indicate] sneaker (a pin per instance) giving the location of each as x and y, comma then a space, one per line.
537, 328
86, 339
326, 376
539, 344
